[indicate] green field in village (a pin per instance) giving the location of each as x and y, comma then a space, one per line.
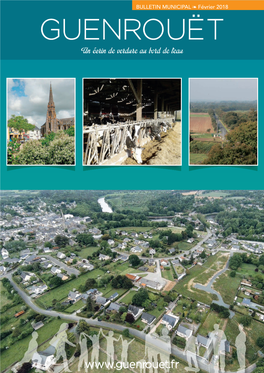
62, 291
227, 286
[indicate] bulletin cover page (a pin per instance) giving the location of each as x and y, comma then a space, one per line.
132, 186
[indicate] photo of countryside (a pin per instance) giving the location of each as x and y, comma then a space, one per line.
223, 122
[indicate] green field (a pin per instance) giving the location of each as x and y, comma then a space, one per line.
201, 273
134, 229
247, 270
168, 274
120, 269
134, 201
200, 115
75, 307
128, 298
213, 265
16, 351
197, 158
255, 330
208, 325
179, 269
62, 291
14, 322
202, 136
3, 298
185, 246
227, 286
215, 194
87, 251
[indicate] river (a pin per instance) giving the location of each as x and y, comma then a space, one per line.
104, 205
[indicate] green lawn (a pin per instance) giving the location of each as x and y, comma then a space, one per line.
118, 268
185, 246
87, 251
134, 229
208, 325
75, 307
255, 330
128, 298
247, 270
62, 291
213, 264
227, 286
168, 274
110, 291
156, 312
179, 269
16, 351
215, 194
196, 158
201, 273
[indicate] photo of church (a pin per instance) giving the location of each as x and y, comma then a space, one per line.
53, 124
41, 121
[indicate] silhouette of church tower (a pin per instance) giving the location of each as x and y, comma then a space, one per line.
51, 119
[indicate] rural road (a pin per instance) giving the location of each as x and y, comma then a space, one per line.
208, 288
220, 127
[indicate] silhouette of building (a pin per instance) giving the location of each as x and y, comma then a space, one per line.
53, 124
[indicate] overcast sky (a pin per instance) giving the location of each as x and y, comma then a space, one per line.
30, 97
223, 90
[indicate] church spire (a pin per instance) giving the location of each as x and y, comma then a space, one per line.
51, 102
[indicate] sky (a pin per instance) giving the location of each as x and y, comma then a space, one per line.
30, 97
223, 90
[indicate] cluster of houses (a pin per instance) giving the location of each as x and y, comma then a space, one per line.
44, 225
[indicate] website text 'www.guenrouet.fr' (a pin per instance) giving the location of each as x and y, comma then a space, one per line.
139, 364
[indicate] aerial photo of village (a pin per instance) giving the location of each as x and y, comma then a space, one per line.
132, 281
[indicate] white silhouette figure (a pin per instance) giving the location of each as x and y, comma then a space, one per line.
191, 354
151, 351
165, 349
125, 345
217, 336
59, 342
31, 351
110, 350
95, 351
83, 358
241, 347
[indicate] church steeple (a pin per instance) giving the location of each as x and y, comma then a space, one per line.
51, 102
51, 120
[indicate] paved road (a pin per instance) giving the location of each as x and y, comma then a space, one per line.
70, 270
203, 364
208, 288
220, 127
